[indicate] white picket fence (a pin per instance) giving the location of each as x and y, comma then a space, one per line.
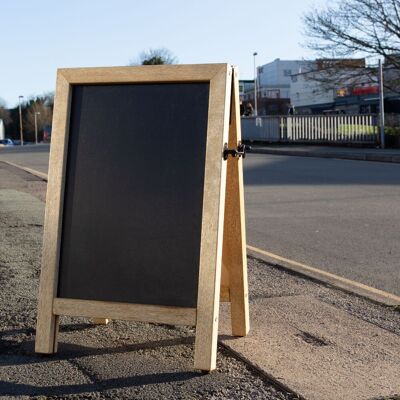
342, 128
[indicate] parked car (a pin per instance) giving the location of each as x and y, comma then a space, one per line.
6, 142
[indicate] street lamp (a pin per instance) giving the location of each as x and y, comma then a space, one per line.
255, 84
36, 114
21, 132
381, 106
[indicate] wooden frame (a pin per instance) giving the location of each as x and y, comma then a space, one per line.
234, 286
205, 315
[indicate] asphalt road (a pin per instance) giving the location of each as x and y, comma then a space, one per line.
337, 215
31, 156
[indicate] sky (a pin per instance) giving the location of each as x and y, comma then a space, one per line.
42, 35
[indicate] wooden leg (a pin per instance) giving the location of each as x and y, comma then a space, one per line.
46, 333
234, 257
208, 297
47, 322
225, 281
101, 321
205, 353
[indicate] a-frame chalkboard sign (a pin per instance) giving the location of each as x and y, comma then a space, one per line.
144, 213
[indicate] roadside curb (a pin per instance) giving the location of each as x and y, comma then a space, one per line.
327, 278
38, 174
267, 376
338, 155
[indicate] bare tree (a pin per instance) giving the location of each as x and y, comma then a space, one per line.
42, 107
47, 98
357, 28
155, 57
336, 73
4, 113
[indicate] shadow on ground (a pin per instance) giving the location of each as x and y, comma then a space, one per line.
292, 170
17, 353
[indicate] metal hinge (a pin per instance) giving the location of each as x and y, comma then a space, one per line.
240, 151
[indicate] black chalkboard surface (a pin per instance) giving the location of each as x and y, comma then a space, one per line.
133, 193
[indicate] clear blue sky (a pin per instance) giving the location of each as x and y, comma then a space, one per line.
42, 35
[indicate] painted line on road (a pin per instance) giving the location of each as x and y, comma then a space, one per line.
336, 281
38, 174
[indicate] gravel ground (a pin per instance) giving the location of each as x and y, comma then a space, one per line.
121, 360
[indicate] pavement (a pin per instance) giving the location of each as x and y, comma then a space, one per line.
346, 153
307, 340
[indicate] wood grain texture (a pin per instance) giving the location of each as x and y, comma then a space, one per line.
125, 311
101, 321
47, 322
213, 222
224, 295
234, 258
148, 73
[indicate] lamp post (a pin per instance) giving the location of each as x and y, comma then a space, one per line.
36, 114
381, 107
255, 85
21, 132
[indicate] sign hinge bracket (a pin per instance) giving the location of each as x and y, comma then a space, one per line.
240, 151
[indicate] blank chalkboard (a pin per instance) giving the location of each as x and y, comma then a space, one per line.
144, 211
134, 193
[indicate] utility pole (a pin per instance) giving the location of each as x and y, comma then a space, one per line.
36, 114
21, 132
255, 85
381, 107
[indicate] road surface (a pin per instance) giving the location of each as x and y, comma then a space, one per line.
340, 216
30, 156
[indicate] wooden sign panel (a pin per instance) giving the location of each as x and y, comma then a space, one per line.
136, 199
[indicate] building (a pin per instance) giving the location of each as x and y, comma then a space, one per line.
2, 130
274, 78
338, 86
322, 86
273, 86
308, 96
245, 86
391, 76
